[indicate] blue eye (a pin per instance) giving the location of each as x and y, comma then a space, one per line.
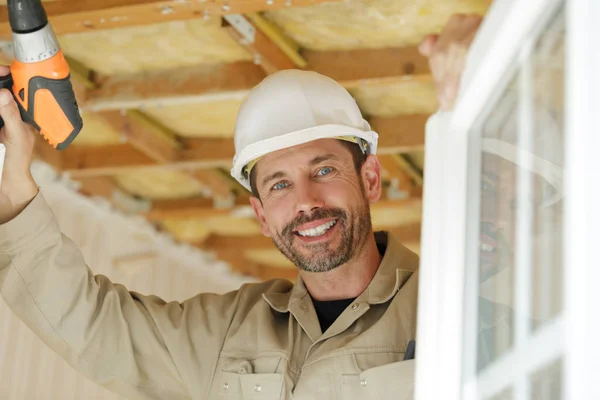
324, 171
279, 186
486, 186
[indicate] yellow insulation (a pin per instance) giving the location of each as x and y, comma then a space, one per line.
154, 47
351, 24
160, 185
385, 99
203, 119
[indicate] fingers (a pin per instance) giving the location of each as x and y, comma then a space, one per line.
427, 45
447, 54
4, 70
10, 114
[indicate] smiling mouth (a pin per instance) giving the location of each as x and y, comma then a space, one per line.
488, 245
317, 231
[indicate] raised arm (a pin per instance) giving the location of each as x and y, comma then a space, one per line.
138, 346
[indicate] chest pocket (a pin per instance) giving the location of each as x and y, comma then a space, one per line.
251, 386
391, 381
245, 384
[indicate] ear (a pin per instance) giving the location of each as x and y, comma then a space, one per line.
260, 215
371, 176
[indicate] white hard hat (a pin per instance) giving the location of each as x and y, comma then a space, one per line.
543, 152
293, 107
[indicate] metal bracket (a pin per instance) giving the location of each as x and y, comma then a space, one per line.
242, 25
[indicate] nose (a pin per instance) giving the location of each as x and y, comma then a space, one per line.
308, 198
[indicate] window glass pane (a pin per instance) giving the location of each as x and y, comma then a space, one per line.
546, 384
548, 145
522, 166
498, 196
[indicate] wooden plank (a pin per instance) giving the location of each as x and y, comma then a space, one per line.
234, 81
107, 157
194, 211
397, 135
401, 134
192, 208
410, 168
236, 243
184, 85
278, 36
144, 134
240, 264
400, 182
215, 182
404, 233
121, 158
265, 53
352, 68
75, 16
102, 186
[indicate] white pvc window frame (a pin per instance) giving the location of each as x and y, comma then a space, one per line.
442, 371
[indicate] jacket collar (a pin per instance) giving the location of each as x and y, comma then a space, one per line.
397, 265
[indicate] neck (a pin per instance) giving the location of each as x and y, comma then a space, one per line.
348, 280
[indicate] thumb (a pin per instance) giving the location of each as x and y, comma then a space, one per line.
427, 44
14, 126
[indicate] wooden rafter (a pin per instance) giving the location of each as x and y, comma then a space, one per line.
144, 135
242, 265
196, 207
266, 54
351, 68
226, 81
404, 233
216, 183
198, 84
75, 16
397, 135
181, 211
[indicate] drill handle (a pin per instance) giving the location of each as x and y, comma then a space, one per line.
6, 82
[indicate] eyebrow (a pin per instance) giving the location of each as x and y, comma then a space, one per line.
320, 159
314, 161
276, 175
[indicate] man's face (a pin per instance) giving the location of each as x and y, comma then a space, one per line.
499, 205
314, 204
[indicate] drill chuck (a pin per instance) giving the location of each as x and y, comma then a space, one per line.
26, 16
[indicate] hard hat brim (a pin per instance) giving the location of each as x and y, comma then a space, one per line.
263, 147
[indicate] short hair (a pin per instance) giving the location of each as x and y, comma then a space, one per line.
358, 157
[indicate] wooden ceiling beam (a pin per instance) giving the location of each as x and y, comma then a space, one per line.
77, 16
144, 134
404, 233
177, 210
400, 134
200, 84
233, 81
351, 68
265, 52
242, 265
397, 135
193, 208
215, 182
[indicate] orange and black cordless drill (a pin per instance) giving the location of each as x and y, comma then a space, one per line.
40, 78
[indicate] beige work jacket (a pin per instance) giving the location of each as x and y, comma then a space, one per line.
262, 341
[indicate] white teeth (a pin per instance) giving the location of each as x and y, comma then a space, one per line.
486, 247
318, 231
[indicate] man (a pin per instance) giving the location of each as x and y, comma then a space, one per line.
342, 331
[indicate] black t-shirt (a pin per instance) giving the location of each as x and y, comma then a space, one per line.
328, 311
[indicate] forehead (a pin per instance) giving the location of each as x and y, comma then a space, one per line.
302, 155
